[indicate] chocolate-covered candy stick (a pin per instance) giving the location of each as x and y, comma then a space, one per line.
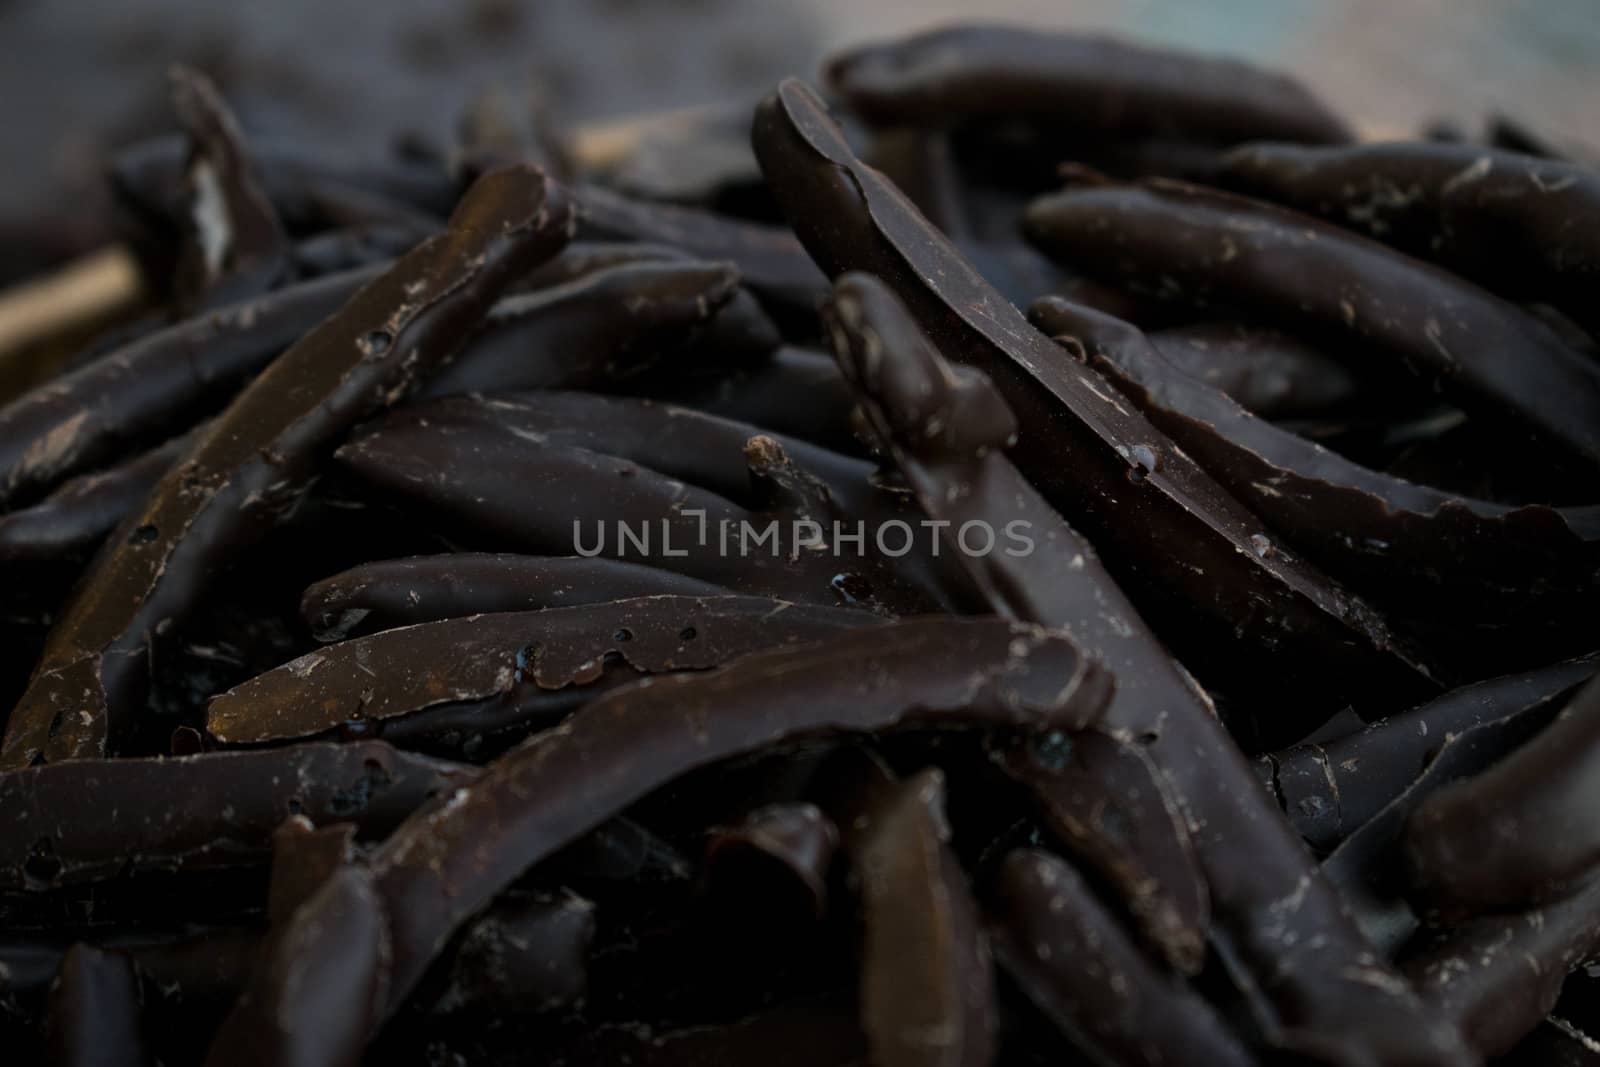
386, 594
1072, 959
96, 1012
782, 850
1203, 246
191, 812
1499, 975
1524, 227
304, 856
1520, 834
514, 659
234, 245
1331, 788
133, 395
1078, 83
1156, 516
258, 457
1424, 552
1280, 927
444, 865
1267, 371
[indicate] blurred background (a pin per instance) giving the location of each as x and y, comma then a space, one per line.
359, 76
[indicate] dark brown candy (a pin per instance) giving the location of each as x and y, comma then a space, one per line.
1499, 975
445, 864
1074, 83
1280, 927
595, 329
235, 246
386, 594
1273, 374
1420, 551
1156, 516
1202, 246
1329, 789
517, 656
260, 455
129, 397
318, 994
1522, 226
1072, 959
521, 956
1520, 834
782, 851
95, 1012
87, 820
303, 857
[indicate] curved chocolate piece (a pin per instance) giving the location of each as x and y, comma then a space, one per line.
1201, 246
1156, 515
85, 820
1281, 928
387, 594
602, 326
260, 454
445, 864
1423, 551
1521, 833
927, 986
304, 856
1076, 83
1075, 963
1522, 226
1499, 975
515, 656
125, 398
794, 841
72, 521
1267, 371
769, 258
96, 1011
521, 956
1331, 788
318, 993
1368, 866
234, 246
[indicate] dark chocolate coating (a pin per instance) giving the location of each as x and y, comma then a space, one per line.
386, 594
787, 844
86, 820
1415, 550
943, 425
1203, 246
1522, 226
1075, 962
95, 1017
1168, 524
259, 456
521, 956
1330, 789
1075, 82
446, 863
1520, 834
129, 397
304, 856
1274, 375
515, 656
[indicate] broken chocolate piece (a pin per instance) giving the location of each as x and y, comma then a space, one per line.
775, 850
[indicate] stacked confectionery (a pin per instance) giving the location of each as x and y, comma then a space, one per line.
1037, 551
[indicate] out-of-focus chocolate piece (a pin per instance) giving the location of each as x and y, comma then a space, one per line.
1154, 513
1521, 833
259, 456
353, 248
234, 247
1418, 551
1497, 976
1077, 83
95, 1012
521, 956
943, 427
128, 397
88, 819
512, 655
304, 856
1202, 246
1072, 959
1522, 226
782, 845
1329, 789
387, 594
1269, 372
446, 863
